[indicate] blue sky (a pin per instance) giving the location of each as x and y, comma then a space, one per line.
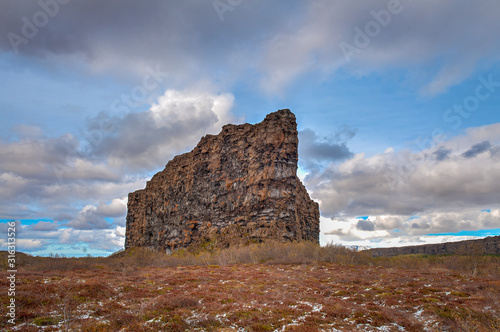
397, 104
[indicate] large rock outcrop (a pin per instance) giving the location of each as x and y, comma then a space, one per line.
237, 187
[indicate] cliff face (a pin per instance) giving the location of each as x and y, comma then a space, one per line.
487, 246
237, 187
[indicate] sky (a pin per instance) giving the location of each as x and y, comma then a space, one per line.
397, 104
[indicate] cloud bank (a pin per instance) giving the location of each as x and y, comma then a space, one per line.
79, 183
190, 40
447, 188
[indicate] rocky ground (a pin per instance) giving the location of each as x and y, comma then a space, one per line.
317, 296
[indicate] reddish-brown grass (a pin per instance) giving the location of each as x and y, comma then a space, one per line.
317, 290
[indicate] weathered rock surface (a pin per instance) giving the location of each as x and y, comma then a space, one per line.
237, 187
489, 246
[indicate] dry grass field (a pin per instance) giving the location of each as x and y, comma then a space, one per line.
269, 287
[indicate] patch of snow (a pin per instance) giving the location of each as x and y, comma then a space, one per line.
418, 314
315, 307
426, 321
388, 328
153, 320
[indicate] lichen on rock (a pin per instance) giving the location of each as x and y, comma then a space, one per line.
237, 187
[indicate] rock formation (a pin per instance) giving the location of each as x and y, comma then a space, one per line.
487, 246
237, 187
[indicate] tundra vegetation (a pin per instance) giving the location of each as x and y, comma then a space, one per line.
270, 286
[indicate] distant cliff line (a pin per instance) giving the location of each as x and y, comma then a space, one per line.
487, 246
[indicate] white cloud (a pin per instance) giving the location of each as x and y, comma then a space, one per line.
86, 169
147, 140
414, 193
34, 157
94, 217
180, 107
411, 182
24, 242
11, 185
400, 232
29, 244
108, 239
117, 207
87, 219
